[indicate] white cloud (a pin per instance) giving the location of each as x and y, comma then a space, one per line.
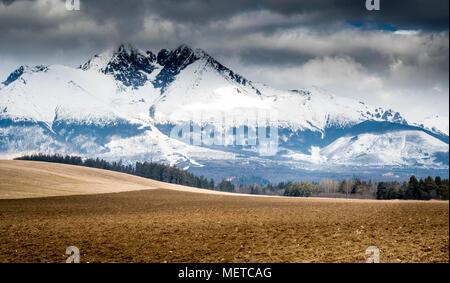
405, 70
406, 32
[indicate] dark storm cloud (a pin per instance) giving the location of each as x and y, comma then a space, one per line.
398, 13
431, 14
338, 44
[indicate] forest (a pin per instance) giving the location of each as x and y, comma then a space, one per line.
423, 189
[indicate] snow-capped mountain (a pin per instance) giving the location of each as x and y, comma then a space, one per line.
126, 104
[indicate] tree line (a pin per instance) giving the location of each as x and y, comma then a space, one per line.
422, 189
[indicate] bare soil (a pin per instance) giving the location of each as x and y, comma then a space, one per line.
172, 225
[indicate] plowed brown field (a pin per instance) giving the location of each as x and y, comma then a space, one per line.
158, 222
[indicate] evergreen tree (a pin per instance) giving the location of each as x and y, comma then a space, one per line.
225, 186
382, 191
356, 184
429, 188
429, 185
438, 181
442, 190
413, 188
211, 184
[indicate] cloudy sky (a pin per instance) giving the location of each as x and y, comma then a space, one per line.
397, 57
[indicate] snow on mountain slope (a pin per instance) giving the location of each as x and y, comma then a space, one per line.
117, 105
128, 65
205, 91
435, 123
316, 109
395, 148
63, 93
200, 88
57, 90
118, 82
154, 146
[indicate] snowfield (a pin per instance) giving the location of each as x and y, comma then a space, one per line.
123, 104
395, 148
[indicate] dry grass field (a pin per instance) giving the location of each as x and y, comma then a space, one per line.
139, 220
31, 179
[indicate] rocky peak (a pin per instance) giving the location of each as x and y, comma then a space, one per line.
127, 64
175, 61
21, 70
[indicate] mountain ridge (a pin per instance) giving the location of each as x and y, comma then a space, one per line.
125, 102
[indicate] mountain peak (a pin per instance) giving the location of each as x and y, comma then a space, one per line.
131, 65
175, 61
21, 70
126, 48
130, 49
14, 75
123, 51
182, 53
184, 49
56, 108
126, 63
